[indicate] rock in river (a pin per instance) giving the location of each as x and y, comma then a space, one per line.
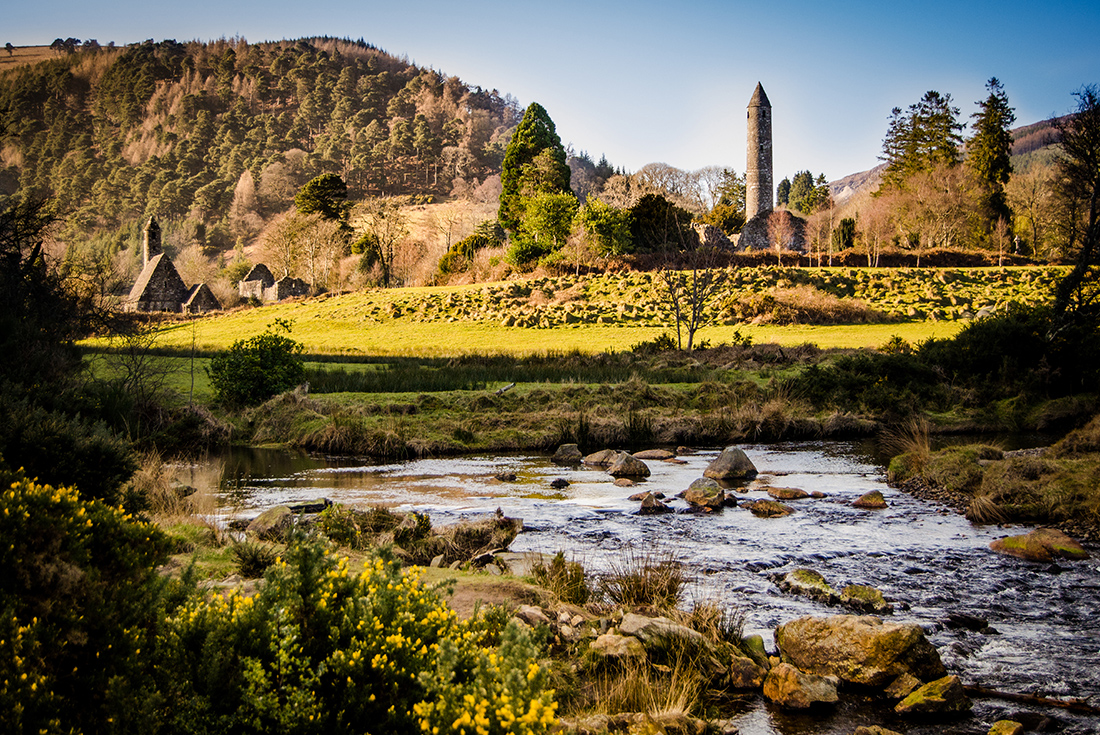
872, 500
705, 493
861, 649
1042, 544
626, 466
768, 508
731, 464
787, 493
787, 686
567, 454
602, 458
944, 696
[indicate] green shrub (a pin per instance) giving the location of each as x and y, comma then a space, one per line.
62, 450
253, 558
80, 601
461, 254
321, 648
254, 369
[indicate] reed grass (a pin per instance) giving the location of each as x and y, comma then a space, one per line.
644, 578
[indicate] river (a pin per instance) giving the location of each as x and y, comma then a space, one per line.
927, 560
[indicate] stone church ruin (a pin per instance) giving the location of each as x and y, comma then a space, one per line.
159, 287
261, 285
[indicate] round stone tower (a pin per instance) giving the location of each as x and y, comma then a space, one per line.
150, 241
758, 168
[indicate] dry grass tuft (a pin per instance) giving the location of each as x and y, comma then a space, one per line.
644, 579
639, 687
720, 624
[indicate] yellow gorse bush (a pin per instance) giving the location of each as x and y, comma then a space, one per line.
324, 648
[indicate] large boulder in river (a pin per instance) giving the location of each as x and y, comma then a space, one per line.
273, 523
731, 464
944, 696
627, 466
567, 454
1042, 544
861, 649
787, 686
705, 493
602, 458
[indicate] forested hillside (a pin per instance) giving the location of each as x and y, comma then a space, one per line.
220, 135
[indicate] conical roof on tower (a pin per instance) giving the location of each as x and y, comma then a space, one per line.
759, 97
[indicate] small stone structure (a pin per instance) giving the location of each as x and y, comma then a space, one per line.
755, 234
261, 285
252, 285
712, 237
159, 287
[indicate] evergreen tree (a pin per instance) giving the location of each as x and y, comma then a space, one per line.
988, 152
326, 195
925, 136
534, 163
783, 192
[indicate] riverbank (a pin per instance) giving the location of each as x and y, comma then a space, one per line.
1053, 486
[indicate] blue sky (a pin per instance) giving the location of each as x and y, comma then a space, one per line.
650, 81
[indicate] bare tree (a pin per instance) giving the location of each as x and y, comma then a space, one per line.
1031, 196
780, 232
384, 219
279, 244
690, 291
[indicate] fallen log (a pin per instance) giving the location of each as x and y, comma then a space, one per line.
1073, 705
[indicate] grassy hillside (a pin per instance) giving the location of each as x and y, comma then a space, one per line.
842, 307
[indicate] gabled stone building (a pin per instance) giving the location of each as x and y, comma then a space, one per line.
261, 285
159, 287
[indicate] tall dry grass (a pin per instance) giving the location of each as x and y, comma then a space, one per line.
910, 445
644, 578
639, 687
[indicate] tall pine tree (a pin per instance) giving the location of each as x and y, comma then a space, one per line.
534, 163
988, 152
925, 136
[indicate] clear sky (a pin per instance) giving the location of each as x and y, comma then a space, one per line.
642, 81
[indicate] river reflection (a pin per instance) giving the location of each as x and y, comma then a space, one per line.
927, 560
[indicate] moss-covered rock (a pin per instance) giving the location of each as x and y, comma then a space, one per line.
867, 599
1042, 544
944, 696
768, 508
1006, 727
872, 500
808, 583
